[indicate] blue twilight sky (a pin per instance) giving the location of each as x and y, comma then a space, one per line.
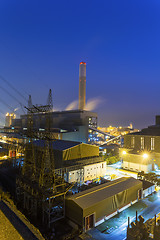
42, 43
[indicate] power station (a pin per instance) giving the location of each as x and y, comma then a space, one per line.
57, 179
74, 125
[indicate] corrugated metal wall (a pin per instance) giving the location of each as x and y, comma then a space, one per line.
80, 151
105, 207
74, 212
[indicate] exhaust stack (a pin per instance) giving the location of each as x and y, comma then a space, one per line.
82, 85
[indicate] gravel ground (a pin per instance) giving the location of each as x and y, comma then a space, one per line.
13, 227
7, 230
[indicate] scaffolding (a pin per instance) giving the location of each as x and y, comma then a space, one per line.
39, 189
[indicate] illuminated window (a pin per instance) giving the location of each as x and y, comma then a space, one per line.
152, 143
142, 143
132, 142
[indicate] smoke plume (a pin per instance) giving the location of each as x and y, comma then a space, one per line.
92, 104
72, 106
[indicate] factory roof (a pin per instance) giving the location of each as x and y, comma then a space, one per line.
79, 111
94, 195
57, 144
147, 184
153, 130
11, 135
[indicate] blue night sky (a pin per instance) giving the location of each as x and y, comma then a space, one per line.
43, 42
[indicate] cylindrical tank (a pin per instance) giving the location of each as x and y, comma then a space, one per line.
82, 85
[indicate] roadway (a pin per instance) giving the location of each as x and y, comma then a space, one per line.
120, 233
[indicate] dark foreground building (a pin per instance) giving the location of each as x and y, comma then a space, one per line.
91, 207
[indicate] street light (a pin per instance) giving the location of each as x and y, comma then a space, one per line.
145, 155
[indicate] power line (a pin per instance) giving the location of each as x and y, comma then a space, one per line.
13, 97
12, 87
12, 109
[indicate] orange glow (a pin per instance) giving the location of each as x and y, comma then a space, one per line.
82, 63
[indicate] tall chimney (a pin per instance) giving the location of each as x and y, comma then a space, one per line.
82, 85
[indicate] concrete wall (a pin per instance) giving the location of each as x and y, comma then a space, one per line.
80, 135
147, 142
75, 176
137, 167
88, 172
148, 191
94, 171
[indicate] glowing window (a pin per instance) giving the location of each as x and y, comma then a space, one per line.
132, 142
142, 143
152, 143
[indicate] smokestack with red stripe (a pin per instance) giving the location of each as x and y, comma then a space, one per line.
82, 85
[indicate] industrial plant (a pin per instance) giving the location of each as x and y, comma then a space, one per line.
56, 168
54, 153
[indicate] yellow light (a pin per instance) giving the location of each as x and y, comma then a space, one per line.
145, 155
124, 152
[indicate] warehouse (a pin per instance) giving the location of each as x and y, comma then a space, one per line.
67, 153
91, 207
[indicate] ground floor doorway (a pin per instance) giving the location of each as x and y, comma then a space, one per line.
89, 222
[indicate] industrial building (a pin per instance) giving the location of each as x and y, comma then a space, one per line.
91, 207
74, 125
67, 153
141, 150
42, 184
9, 118
148, 188
86, 173
137, 162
